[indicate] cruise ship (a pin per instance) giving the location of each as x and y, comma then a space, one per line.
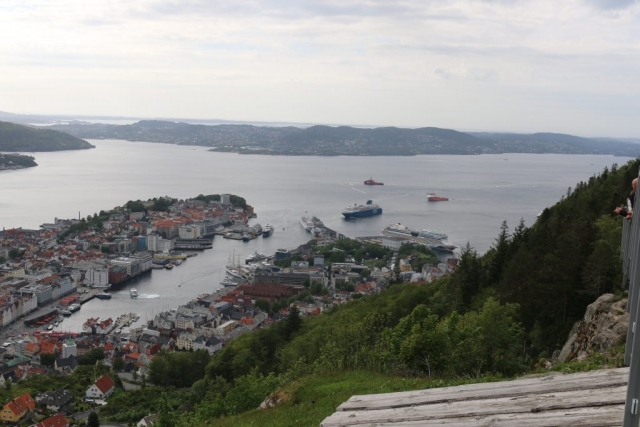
429, 238
362, 211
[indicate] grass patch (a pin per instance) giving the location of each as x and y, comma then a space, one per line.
310, 400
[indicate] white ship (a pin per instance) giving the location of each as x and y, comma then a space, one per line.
134, 293
307, 223
429, 238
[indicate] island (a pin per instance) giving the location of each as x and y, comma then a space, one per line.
19, 138
16, 161
346, 140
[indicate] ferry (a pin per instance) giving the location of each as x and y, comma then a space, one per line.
362, 211
372, 182
267, 230
103, 295
134, 293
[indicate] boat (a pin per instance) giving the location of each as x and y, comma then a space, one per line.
94, 286
134, 293
157, 266
229, 284
74, 307
432, 197
65, 313
103, 295
168, 266
255, 257
267, 230
245, 237
234, 273
372, 182
177, 262
307, 223
429, 238
136, 317
362, 211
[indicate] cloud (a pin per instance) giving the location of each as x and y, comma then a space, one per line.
611, 4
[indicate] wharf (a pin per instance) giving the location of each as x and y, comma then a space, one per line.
193, 244
582, 399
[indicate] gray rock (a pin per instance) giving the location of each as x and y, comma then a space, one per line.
604, 326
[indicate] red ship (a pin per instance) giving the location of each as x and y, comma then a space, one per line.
372, 182
433, 198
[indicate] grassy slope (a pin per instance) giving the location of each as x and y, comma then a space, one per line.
309, 401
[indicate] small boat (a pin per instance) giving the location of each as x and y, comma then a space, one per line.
65, 313
134, 293
372, 182
229, 284
103, 295
234, 273
74, 307
432, 197
245, 237
168, 266
177, 262
256, 257
136, 317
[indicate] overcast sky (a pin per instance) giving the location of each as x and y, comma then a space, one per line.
568, 66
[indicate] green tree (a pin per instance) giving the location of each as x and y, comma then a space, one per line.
263, 305
118, 364
47, 359
93, 420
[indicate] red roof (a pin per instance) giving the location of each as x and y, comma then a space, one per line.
58, 420
105, 383
21, 404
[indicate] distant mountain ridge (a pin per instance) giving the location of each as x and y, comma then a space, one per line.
18, 138
323, 140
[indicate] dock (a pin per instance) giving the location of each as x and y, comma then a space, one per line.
594, 398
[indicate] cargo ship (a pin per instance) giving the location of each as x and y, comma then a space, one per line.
372, 182
362, 211
429, 238
432, 197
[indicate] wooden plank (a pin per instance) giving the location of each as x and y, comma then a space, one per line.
605, 416
556, 382
481, 408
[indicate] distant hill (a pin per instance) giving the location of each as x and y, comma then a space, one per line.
19, 138
346, 140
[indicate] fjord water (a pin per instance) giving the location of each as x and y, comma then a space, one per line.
483, 191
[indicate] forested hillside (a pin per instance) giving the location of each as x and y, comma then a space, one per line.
497, 315
20, 138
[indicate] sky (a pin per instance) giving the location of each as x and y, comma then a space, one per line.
570, 66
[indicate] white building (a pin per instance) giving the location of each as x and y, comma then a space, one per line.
69, 348
97, 277
155, 243
189, 232
101, 389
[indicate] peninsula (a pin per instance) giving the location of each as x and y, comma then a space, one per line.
18, 138
16, 161
346, 140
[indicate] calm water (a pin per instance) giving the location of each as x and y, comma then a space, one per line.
483, 191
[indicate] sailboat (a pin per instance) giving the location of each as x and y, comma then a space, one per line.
232, 267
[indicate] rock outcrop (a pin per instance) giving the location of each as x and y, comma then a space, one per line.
604, 326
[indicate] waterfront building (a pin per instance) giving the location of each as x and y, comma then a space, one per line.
97, 277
